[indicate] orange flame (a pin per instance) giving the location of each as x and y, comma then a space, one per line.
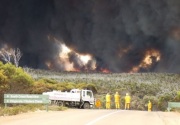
134, 69
148, 57
64, 57
105, 70
148, 60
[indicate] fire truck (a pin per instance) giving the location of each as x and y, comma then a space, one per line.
75, 98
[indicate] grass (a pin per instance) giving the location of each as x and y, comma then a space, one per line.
14, 110
57, 108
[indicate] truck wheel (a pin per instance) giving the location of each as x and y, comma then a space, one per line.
61, 103
86, 105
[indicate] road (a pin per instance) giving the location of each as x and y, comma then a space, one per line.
92, 117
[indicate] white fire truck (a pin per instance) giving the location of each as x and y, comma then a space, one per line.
74, 98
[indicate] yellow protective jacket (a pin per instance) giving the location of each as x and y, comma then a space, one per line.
117, 97
149, 105
127, 99
108, 98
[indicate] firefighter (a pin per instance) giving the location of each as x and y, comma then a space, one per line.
108, 101
149, 106
117, 100
127, 101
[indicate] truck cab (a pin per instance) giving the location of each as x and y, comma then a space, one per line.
87, 98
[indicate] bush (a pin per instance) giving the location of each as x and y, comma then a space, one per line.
48, 81
92, 87
39, 87
14, 80
163, 101
18, 80
177, 97
3, 84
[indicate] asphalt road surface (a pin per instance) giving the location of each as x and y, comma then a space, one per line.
92, 117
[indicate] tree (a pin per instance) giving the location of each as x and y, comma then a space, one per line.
14, 80
6, 56
18, 80
16, 55
3, 81
11, 56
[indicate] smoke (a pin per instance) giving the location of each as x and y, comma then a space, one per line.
116, 32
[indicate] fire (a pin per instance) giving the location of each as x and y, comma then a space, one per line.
85, 58
78, 60
135, 69
64, 52
105, 70
69, 66
64, 58
71, 60
151, 56
65, 49
49, 64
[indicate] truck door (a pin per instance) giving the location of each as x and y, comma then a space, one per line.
87, 96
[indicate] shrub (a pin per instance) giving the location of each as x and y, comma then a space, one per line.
81, 85
163, 101
177, 97
18, 80
39, 87
14, 80
92, 87
49, 81
3, 84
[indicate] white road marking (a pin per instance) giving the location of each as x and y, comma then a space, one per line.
99, 118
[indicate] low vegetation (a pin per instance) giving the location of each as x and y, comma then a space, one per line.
17, 109
157, 87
